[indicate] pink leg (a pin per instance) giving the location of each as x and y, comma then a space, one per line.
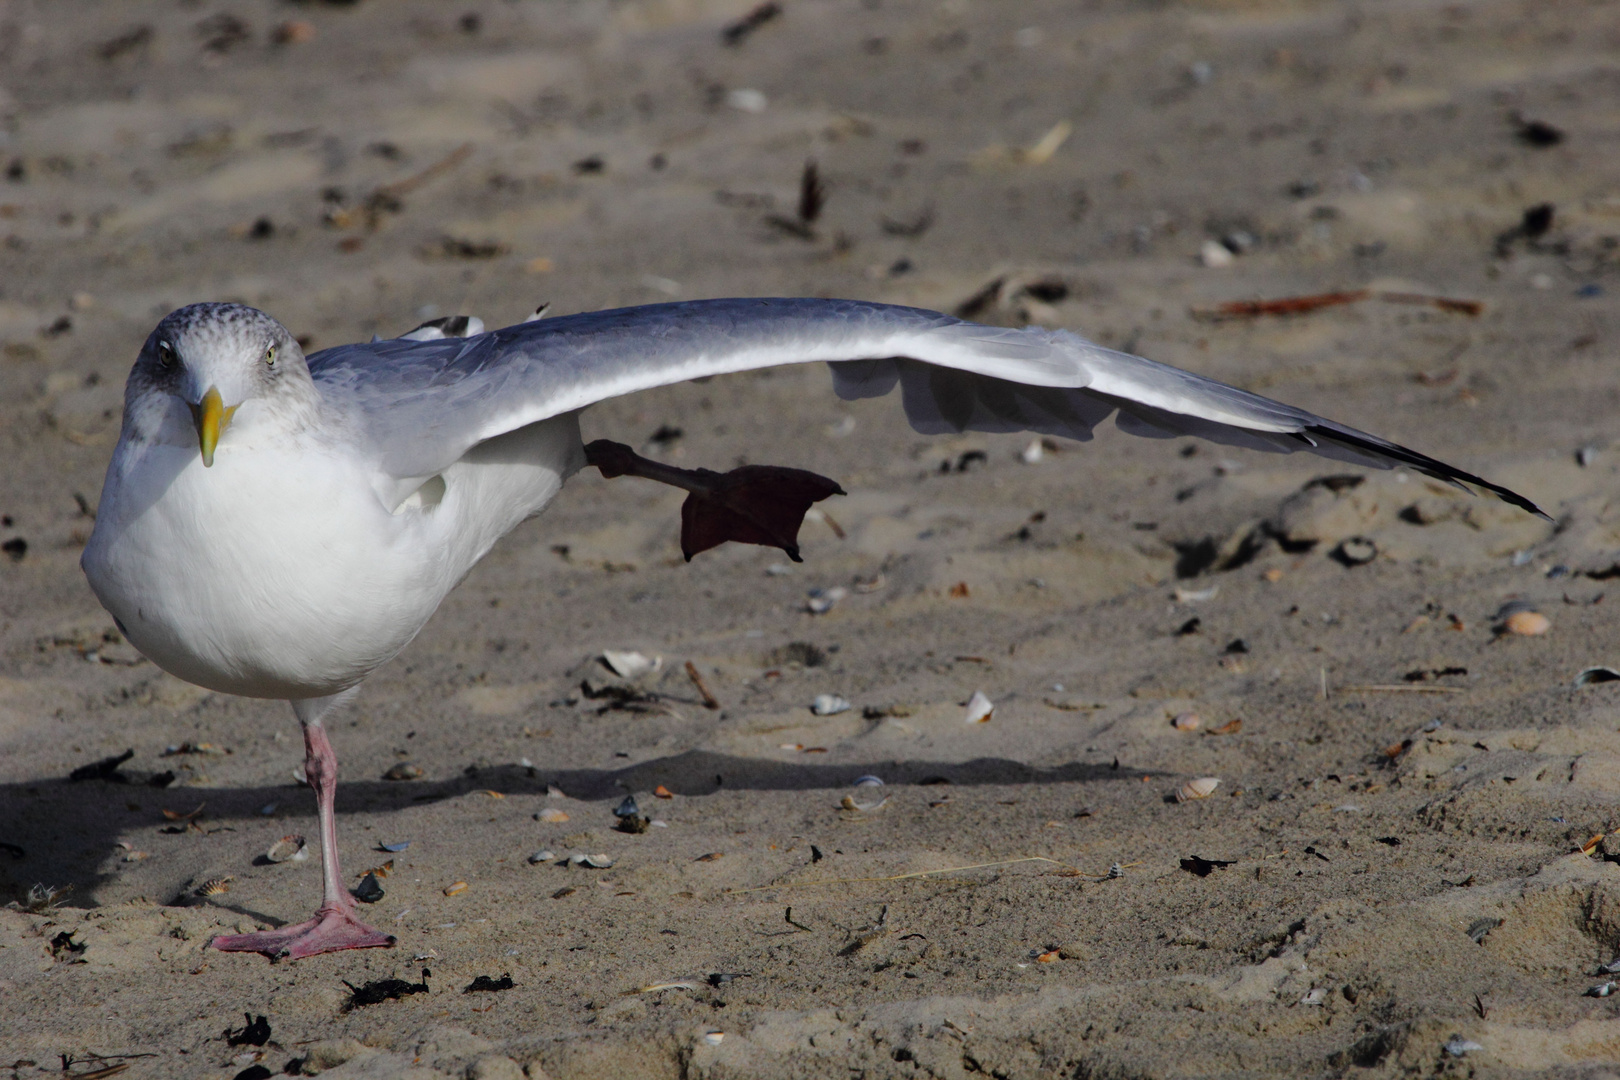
334, 926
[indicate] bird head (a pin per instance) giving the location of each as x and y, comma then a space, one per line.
215, 358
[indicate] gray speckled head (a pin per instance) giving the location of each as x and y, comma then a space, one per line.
233, 349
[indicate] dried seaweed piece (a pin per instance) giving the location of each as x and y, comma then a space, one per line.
484, 984
105, 769
255, 1032
381, 990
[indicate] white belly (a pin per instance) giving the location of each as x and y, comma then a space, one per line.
282, 574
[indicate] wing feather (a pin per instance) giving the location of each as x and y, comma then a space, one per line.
422, 404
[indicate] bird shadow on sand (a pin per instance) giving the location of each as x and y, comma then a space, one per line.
57, 830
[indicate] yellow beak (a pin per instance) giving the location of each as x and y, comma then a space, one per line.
212, 418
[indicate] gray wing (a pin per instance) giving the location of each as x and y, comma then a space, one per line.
423, 404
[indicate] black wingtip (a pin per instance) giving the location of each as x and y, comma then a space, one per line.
1379, 448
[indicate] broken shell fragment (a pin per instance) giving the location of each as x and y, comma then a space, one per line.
552, 815
403, 771
1355, 551
595, 862
979, 708
630, 664
369, 891
287, 849
1527, 623
829, 705
455, 888
1187, 721
822, 601
1200, 788
1597, 675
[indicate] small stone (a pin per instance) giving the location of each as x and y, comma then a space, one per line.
829, 705
1527, 623
1215, 255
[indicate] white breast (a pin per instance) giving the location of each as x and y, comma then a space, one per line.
280, 573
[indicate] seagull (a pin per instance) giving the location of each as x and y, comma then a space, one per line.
280, 526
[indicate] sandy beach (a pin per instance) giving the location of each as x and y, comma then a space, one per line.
1407, 866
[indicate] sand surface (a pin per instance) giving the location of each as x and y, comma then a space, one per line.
1392, 860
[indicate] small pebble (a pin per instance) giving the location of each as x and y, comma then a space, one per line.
829, 705
1527, 623
1214, 255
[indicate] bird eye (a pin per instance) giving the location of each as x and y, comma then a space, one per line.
165, 354
270, 356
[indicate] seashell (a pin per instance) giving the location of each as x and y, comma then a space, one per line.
871, 584
489, 792
554, 792
394, 849
1187, 721
1597, 675
777, 569
630, 664
544, 855
1355, 551
455, 888
384, 870
662, 792
214, 886
1527, 623
867, 781
553, 815
596, 862
1194, 596
1457, 1046
829, 705
403, 771
848, 803
713, 1038
1603, 989
1033, 453
979, 708
1315, 996
287, 849
627, 808
1200, 788
824, 600
1051, 956
711, 856
369, 891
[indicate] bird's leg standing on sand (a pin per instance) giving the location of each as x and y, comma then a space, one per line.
334, 926
754, 504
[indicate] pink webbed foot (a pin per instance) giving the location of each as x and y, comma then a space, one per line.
331, 930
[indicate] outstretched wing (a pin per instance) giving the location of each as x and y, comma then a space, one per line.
423, 404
